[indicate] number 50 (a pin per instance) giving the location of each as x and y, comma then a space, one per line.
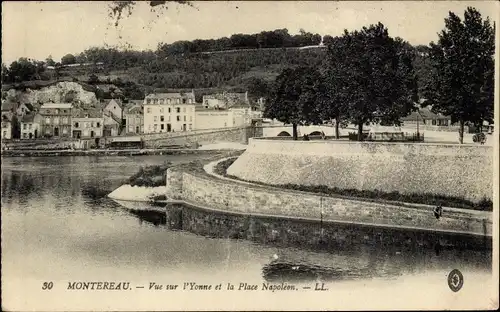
48, 285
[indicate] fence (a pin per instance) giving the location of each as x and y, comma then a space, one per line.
388, 137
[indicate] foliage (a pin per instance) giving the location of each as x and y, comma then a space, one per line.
295, 98
279, 38
462, 83
484, 204
21, 70
49, 61
118, 8
150, 176
68, 59
371, 76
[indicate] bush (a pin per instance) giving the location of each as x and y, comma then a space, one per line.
484, 204
151, 176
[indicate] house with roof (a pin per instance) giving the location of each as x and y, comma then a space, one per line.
56, 120
6, 127
112, 124
134, 118
115, 107
428, 120
87, 124
30, 126
169, 112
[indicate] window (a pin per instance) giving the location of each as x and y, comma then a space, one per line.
161, 110
155, 127
29, 126
162, 101
183, 109
76, 125
4, 134
178, 101
169, 101
149, 110
148, 102
162, 126
162, 118
178, 109
190, 127
92, 124
184, 118
25, 126
98, 125
130, 129
25, 135
190, 118
168, 118
434, 122
178, 118
169, 109
183, 101
138, 120
65, 131
206, 102
47, 120
57, 111
150, 127
155, 119
65, 120
155, 101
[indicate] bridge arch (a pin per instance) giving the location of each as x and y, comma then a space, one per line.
284, 134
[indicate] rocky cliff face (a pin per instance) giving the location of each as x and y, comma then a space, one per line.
62, 92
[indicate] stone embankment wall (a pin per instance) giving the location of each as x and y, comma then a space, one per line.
464, 171
240, 135
203, 190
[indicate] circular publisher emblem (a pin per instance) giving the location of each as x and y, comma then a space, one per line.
455, 280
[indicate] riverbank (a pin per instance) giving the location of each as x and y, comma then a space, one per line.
106, 152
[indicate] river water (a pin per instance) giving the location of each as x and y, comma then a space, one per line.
59, 227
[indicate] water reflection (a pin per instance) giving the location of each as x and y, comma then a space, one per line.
57, 209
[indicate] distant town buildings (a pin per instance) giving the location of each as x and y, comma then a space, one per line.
56, 120
169, 112
156, 113
88, 124
30, 126
6, 127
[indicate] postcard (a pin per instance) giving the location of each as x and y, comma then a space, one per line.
249, 155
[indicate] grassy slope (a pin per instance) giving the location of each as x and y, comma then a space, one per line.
376, 195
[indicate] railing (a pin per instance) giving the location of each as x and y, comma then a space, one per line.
388, 137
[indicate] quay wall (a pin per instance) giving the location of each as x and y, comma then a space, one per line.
201, 189
464, 171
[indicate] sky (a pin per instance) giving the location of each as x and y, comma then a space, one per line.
37, 29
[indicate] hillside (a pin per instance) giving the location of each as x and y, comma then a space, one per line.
231, 71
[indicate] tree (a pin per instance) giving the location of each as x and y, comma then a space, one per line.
49, 61
68, 59
370, 76
462, 82
295, 98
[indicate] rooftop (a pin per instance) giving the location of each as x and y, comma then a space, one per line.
28, 117
173, 95
57, 105
87, 113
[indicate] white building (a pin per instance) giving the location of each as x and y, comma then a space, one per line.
169, 112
